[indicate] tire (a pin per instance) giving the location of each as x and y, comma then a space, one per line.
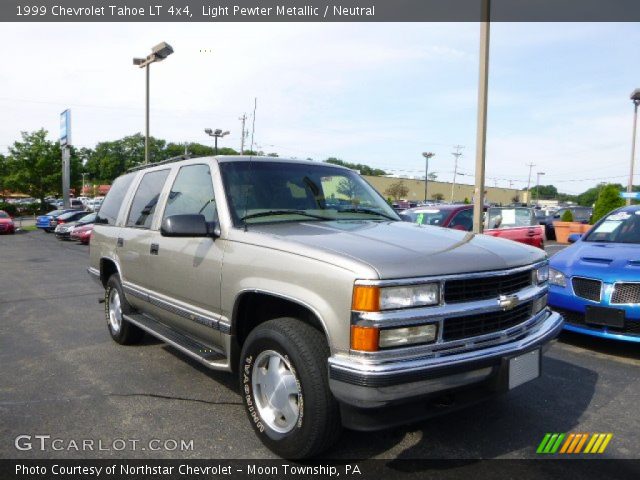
308, 421
115, 305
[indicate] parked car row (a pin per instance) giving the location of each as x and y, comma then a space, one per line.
513, 223
68, 224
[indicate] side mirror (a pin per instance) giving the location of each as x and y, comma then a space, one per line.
184, 226
574, 237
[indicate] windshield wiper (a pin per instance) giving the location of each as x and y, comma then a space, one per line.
283, 212
366, 210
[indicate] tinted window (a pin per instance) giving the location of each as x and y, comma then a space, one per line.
618, 227
462, 221
192, 193
112, 203
146, 198
4, 215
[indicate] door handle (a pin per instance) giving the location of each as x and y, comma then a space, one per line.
154, 249
120, 242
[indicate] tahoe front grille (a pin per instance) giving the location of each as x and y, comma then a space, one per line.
626, 293
456, 328
587, 288
465, 290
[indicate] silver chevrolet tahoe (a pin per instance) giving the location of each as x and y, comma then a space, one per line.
298, 277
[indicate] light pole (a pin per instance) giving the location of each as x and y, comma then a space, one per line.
427, 156
158, 53
538, 188
217, 133
635, 98
83, 175
481, 130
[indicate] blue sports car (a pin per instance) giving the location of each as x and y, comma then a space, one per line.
595, 283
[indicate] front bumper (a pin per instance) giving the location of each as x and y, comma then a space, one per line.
366, 385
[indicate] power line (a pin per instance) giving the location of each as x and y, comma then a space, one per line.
456, 154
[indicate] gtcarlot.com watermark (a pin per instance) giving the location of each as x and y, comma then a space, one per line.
48, 443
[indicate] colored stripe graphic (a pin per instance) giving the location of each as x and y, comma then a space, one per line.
573, 443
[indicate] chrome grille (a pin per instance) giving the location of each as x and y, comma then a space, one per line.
465, 290
456, 328
626, 293
587, 288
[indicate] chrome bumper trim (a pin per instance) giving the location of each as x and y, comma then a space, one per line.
364, 383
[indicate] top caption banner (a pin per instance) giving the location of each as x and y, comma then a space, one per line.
319, 11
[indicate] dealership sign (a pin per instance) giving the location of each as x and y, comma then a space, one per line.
632, 195
65, 128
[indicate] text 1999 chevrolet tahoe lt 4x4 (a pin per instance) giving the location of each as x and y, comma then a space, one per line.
300, 278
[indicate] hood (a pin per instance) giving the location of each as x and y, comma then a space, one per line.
6, 220
398, 249
609, 262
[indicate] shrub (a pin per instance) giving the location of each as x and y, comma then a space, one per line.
567, 216
608, 199
10, 208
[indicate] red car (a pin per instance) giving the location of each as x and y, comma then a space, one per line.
6, 223
514, 223
82, 233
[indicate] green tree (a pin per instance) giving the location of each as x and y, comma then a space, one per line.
397, 190
3, 174
544, 191
608, 199
432, 176
35, 165
363, 169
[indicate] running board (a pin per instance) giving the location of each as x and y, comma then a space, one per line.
214, 359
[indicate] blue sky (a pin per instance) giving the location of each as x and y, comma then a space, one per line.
368, 93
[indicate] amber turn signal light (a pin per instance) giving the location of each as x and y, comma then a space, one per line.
365, 298
364, 339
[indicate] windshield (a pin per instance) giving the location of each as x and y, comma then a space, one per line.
430, 216
618, 227
510, 217
56, 212
269, 192
88, 218
4, 215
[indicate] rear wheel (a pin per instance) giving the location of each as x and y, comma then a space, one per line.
115, 306
285, 388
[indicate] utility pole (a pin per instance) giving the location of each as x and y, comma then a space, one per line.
244, 119
530, 165
456, 154
427, 156
635, 97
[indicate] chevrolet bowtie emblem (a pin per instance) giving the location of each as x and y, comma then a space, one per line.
508, 302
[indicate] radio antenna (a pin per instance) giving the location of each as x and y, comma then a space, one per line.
253, 123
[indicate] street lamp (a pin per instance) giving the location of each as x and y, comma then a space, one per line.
158, 53
427, 156
217, 133
83, 175
538, 188
635, 98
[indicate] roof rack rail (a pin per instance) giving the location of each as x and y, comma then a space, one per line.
162, 162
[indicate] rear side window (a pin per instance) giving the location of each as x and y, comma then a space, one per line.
146, 199
192, 193
113, 201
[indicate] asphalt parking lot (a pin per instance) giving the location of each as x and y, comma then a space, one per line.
63, 376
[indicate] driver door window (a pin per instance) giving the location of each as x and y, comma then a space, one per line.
192, 193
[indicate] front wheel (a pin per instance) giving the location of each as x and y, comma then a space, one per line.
115, 306
285, 388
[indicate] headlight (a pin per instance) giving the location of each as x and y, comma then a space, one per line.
557, 278
542, 274
373, 299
